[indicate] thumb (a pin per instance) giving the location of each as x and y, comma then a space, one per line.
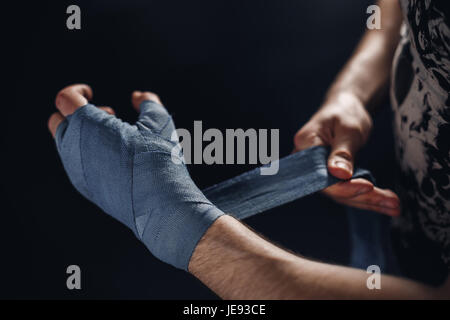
343, 149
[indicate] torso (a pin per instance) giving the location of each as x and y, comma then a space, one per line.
421, 105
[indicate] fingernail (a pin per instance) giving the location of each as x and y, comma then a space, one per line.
342, 165
389, 204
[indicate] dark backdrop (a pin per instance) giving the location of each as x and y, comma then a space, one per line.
231, 64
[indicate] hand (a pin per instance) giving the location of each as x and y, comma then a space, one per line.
130, 173
344, 124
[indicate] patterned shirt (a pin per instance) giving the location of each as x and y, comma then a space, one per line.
421, 105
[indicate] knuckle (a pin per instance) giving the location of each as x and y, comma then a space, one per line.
151, 95
62, 97
310, 136
354, 129
302, 134
305, 137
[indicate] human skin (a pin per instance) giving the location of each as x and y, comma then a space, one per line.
249, 267
236, 263
343, 122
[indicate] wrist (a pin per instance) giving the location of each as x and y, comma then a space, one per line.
236, 263
356, 97
344, 98
350, 106
228, 241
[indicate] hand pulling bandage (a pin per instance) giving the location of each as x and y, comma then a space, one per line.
127, 170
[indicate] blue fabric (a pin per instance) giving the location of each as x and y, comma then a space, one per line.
127, 170
370, 241
299, 175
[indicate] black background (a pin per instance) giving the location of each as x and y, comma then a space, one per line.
231, 64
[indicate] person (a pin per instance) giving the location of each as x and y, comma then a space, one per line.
237, 263
415, 43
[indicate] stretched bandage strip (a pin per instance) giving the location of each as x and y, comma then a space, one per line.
299, 175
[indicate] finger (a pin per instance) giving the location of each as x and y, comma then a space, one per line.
72, 97
340, 161
350, 188
379, 197
152, 116
379, 200
54, 121
343, 148
137, 97
108, 110
365, 206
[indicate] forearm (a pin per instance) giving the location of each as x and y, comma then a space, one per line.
366, 74
236, 263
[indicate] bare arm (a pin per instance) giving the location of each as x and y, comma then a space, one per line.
366, 74
344, 123
236, 263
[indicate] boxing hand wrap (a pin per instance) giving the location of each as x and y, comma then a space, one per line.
127, 170
300, 174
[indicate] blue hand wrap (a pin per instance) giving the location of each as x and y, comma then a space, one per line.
127, 170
